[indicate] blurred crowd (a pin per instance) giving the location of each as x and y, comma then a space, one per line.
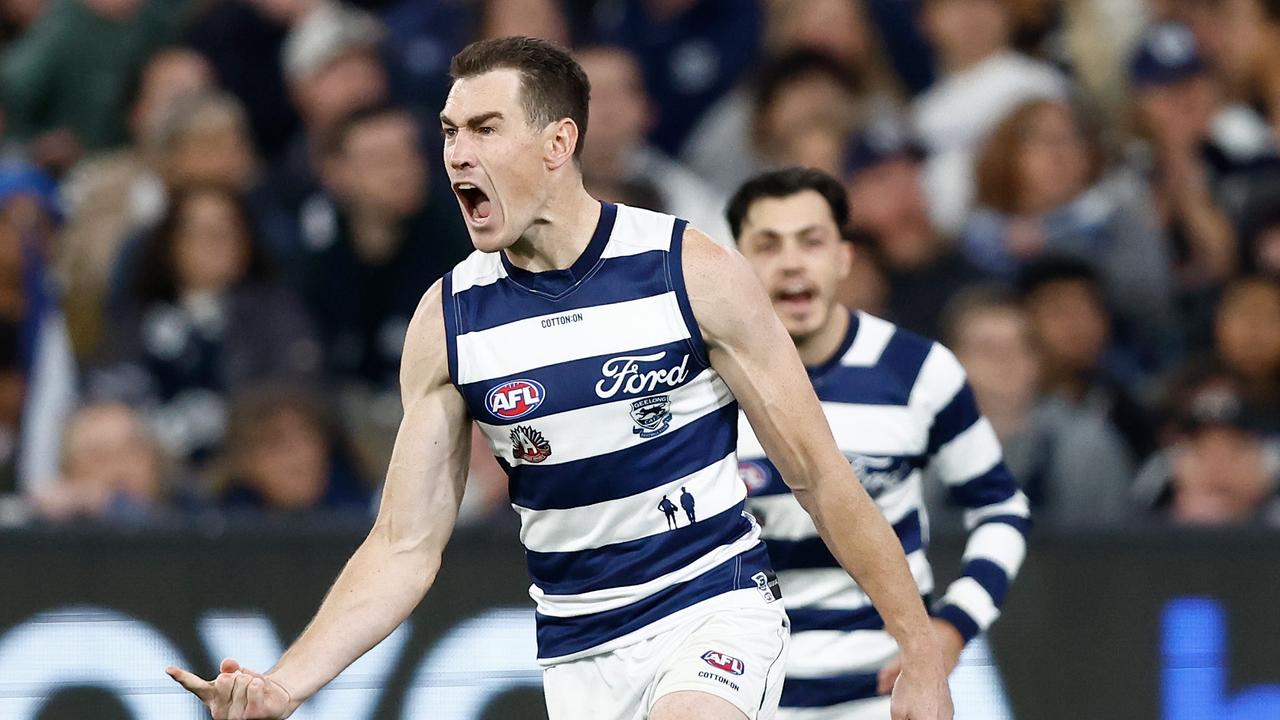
217, 217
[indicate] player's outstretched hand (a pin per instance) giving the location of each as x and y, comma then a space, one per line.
238, 693
921, 692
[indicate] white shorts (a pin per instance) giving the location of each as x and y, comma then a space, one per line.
738, 655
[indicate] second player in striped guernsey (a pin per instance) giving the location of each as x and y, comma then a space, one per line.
900, 409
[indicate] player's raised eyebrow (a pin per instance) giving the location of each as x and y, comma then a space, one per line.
473, 121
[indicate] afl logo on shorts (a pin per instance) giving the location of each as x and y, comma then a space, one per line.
514, 399
720, 661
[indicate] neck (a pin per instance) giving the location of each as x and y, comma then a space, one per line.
821, 346
1006, 416
560, 233
964, 60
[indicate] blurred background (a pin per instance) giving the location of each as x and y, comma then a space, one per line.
217, 217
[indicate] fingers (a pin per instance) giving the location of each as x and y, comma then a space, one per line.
887, 677
239, 696
229, 666
194, 684
255, 706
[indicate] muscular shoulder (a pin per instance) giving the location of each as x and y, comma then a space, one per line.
424, 364
723, 291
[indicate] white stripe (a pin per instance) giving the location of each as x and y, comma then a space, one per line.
616, 597
833, 589
785, 519
636, 230
825, 653
613, 328
1000, 543
715, 488
968, 455
602, 429
479, 268
940, 378
749, 447
873, 335
968, 595
1016, 505
875, 429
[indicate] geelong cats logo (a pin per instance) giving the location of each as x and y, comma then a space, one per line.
651, 415
529, 445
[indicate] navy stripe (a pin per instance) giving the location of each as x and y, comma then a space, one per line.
572, 385
1019, 523
562, 282
808, 618
903, 357
990, 576
823, 692
675, 276
563, 636
450, 325
993, 486
959, 415
861, 386
613, 280
960, 619
636, 561
628, 472
812, 552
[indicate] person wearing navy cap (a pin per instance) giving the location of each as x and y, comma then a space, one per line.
1199, 147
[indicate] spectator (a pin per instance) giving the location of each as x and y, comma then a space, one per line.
1222, 470
1247, 340
12, 396
1042, 189
203, 320
1200, 153
1072, 465
981, 80
421, 39
722, 146
111, 195
790, 97
922, 270
242, 39
29, 217
1081, 369
18, 15
286, 454
692, 53
615, 151
333, 69
65, 79
113, 470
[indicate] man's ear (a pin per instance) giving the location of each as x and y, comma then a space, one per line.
845, 259
562, 140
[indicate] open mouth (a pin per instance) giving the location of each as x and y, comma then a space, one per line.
797, 296
475, 203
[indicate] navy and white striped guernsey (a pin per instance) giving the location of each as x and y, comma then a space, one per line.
593, 389
898, 404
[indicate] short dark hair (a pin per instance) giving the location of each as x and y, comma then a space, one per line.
777, 73
553, 85
1056, 268
785, 183
334, 141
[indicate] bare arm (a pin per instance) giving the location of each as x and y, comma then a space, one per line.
753, 353
393, 568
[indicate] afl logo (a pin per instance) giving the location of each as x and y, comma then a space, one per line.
753, 475
720, 661
514, 399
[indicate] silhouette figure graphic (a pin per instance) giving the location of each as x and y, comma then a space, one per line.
668, 508
686, 502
